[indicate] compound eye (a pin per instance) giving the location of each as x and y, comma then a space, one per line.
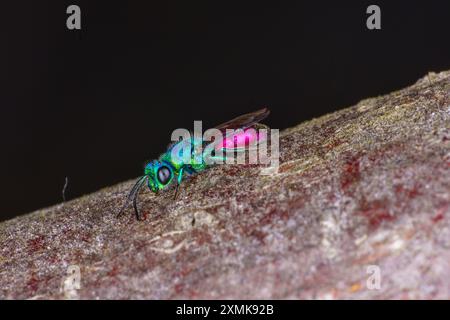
164, 175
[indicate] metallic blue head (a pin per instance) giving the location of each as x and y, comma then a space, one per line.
159, 174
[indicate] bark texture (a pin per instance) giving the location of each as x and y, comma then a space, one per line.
365, 186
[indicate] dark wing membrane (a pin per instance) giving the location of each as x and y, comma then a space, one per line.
244, 121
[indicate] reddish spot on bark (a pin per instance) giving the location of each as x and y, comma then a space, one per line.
33, 283
414, 192
440, 214
113, 272
202, 237
178, 288
375, 212
378, 216
145, 215
438, 217
36, 244
410, 193
351, 172
259, 235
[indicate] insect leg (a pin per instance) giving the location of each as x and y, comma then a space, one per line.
133, 194
179, 178
136, 211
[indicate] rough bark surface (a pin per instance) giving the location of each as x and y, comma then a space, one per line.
365, 186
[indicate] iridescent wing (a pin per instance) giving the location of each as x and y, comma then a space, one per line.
242, 122
240, 139
237, 133
245, 121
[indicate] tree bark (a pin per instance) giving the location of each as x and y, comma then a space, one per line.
359, 209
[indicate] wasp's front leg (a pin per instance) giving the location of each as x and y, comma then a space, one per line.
179, 178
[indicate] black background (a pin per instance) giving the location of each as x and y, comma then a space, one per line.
94, 104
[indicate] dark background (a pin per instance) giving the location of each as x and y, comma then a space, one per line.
94, 104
